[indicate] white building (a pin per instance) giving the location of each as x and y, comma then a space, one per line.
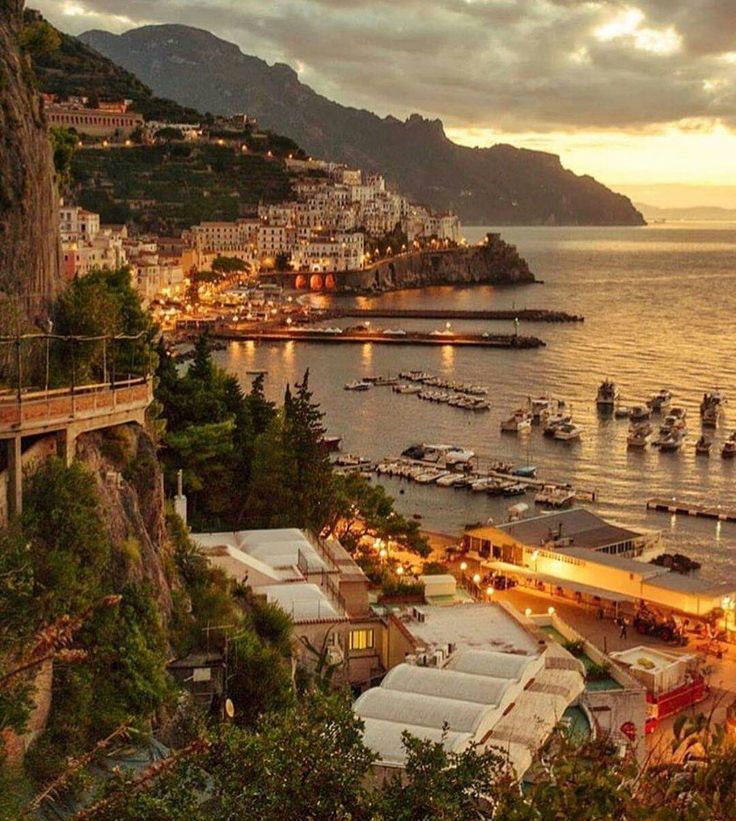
340, 252
77, 224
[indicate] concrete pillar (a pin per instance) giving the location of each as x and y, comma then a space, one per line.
15, 476
66, 441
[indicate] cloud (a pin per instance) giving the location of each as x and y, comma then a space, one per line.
542, 65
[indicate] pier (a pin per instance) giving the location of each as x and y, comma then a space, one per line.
353, 336
523, 315
717, 512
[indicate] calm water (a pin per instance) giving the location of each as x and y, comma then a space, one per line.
659, 304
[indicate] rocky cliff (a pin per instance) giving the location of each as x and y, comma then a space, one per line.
500, 185
130, 487
494, 263
29, 238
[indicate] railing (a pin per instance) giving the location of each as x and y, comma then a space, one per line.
324, 578
42, 408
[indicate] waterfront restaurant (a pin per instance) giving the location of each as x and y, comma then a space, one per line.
579, 556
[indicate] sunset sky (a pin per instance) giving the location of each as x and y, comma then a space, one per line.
641, 95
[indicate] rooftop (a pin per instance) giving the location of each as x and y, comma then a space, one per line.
582, 527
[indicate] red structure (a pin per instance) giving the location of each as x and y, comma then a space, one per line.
682, 697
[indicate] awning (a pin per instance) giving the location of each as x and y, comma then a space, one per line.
565, 584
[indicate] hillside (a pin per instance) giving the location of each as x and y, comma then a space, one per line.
698, 213
498, 185
76, 70
166, 188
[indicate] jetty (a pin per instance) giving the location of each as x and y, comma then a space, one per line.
386, 337
718, 512
523, 315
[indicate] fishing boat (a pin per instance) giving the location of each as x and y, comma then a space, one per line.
568, 432
622, 412
555, 422
671, 440
703, 446
357, 385
637, 439
538, 405
607, 396
385, 381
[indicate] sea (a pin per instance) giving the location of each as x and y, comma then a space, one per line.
660, 312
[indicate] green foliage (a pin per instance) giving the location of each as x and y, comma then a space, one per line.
168, 134
363, 509
167, 187
434, 569
228, 265
400, 588
597, 672
69, 545
63, 145
577, 648
39, 39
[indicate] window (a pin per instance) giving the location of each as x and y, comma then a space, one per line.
361, 639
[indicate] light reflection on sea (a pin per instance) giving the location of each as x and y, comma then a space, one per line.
659, 304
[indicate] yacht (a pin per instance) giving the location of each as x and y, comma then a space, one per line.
517, 423
357, 385
568, 432
703, 446
607, 397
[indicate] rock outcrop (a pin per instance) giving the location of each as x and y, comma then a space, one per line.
29, 237
131, 491
495, 263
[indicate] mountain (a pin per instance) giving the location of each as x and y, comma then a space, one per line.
699, 213
498, 185
74, 69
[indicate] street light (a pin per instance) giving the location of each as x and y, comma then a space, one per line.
551, 611
490, 591
476, 578
528, 612
399, 571
463, 566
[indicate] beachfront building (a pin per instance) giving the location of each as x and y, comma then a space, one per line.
579, 555
471, 673
318, 584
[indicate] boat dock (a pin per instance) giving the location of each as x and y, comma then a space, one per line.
393, 337
693, 509
523, 315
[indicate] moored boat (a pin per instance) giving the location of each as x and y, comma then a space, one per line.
728, 451
607, 396
568, 432
703, 446
357, 385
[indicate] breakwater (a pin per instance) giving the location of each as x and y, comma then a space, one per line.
524, 315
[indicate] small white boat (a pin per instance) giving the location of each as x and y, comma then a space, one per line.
385, 381
640, 413
728, 451
357, 385
703, 446
622, 412
450, 479
660, 401
458, 456
670, 441
637, 439
568, 432
430, 477
482, 485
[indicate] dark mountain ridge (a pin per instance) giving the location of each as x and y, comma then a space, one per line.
497, 185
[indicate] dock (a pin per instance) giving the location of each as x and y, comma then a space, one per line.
718, 512
352, 336
523, 315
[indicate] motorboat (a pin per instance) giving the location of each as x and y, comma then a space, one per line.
357, 385
386, 381
554, 422
517, 423
450, 479
482, 485
554, 496
728, 451
637, 439
713, 400
640, 413
671, 423
607, 396
670, 441
524, 471
514, 488
348, 460
703, 446
431, 476
458, 456
622, 412
660, 401
644, 428
709, 416
568, 432
539, 404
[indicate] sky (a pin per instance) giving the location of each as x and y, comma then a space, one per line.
641, 94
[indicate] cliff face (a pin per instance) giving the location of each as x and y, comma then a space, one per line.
130, 487
494, 263
29, 239
500, 185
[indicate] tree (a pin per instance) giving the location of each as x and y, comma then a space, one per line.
168, 134
228, 265
64, 144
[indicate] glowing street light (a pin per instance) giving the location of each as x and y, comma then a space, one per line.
528, 612
551, 611
476, 578
399, 571
463, 566
490, 591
